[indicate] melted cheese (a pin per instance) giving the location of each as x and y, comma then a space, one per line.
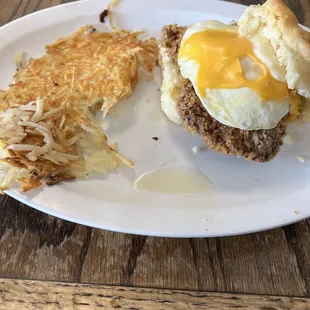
218, 54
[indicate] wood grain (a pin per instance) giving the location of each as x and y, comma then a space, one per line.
13, 9
34, 245
26, 295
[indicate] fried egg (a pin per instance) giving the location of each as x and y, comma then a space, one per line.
239, 82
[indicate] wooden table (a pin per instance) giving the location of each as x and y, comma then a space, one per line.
135, 272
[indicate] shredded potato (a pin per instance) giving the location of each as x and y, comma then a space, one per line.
110, 18
47, 127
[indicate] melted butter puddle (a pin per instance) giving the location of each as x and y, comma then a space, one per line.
174, 180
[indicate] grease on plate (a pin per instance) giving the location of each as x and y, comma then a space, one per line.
174, 180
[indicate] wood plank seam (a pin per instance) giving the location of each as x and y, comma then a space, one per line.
22, 294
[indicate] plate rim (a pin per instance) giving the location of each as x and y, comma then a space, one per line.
72, 218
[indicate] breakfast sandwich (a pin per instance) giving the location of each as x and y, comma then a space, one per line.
237, 85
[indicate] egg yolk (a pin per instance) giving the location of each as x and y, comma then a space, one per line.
218, 54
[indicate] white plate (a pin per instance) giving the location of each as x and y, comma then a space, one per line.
248, 197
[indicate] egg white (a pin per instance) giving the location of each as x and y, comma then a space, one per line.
239, 108
170, 80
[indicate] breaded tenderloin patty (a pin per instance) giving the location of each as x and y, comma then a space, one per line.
258, 145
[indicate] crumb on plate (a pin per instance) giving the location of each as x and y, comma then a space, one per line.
302, 158
288, 139
103, 16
